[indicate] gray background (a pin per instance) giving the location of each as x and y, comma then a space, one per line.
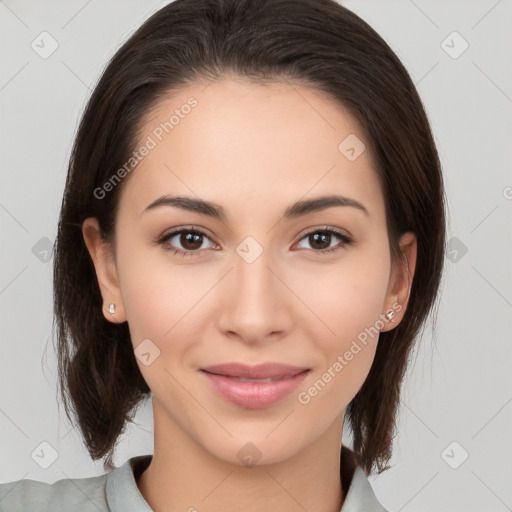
458, 388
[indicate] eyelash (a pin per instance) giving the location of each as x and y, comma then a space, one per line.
345, 240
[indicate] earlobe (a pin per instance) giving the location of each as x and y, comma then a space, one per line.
106, 273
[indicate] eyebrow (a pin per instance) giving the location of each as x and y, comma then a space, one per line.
216, 211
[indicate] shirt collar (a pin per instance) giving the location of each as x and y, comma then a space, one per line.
123, 495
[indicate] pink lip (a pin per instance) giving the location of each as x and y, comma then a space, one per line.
254, 395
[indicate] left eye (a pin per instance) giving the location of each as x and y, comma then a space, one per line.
321, 237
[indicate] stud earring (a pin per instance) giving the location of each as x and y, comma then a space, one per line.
111, 308
390, 315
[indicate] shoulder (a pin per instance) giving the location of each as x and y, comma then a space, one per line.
114, 491
89, 494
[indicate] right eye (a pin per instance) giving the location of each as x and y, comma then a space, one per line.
191, 241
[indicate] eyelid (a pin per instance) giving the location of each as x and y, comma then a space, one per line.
335, 230
314, 229
188, 227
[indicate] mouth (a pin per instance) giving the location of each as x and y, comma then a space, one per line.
243, 379
254, 387
260, 372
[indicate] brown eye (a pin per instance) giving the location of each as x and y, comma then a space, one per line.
320, 240
190, 241
185, 242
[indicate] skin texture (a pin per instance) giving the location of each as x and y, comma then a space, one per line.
254, 150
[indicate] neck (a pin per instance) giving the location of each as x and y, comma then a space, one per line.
183, 475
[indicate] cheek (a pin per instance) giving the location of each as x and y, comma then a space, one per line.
163, 304
344, 299
347, 301
160, 298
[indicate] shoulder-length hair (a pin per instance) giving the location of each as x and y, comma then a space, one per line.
316, 43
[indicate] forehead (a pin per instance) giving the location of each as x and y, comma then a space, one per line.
242, 144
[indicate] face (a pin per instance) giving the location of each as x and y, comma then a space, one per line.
251, 279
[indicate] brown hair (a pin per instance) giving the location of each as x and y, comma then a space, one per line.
317, 43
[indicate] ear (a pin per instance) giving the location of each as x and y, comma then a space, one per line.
104, 262
400, 282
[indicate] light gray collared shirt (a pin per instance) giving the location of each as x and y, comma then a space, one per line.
117, 491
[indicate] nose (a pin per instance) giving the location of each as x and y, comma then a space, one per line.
254, 304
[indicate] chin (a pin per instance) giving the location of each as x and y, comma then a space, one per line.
255, 450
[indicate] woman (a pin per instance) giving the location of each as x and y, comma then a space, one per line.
251, 234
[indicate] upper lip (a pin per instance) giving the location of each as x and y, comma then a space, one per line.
260, 371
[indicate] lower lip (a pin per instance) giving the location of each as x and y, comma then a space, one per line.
254, 395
